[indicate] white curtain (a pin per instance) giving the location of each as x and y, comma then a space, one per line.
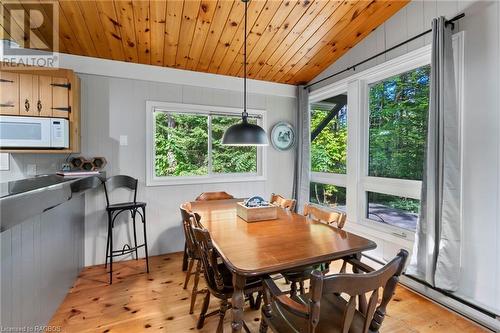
436, 253
303, 152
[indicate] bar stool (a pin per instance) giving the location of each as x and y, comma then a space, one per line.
113, 210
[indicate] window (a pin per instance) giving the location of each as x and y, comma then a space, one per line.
397, 131
327, 195
398, 125
328, 129
390, 209
329, 135
185, 145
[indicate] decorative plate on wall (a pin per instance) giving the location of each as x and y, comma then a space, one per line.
283, 136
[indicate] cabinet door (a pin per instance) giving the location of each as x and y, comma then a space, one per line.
44, 103
9, 93
28, 93
60, 97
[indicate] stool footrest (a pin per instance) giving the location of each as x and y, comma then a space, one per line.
126, 250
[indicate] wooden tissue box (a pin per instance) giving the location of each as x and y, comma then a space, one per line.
255, 214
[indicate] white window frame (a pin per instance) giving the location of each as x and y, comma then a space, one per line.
336, 179
357, 181
153, 180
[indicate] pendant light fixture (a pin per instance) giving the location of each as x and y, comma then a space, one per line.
244, 133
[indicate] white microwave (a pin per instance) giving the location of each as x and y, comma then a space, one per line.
33, 132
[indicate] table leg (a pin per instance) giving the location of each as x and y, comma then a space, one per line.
238, 302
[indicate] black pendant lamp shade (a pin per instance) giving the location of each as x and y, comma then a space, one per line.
245, 133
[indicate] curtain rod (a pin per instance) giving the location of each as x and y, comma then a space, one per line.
353, 67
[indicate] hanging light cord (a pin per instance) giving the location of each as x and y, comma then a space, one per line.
245, 114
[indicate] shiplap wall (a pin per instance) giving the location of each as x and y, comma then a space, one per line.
480, 277
112, 107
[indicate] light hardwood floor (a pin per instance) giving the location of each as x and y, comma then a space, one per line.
155, 302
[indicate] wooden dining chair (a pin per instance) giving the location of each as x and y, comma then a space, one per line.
189, 218
326, 216
324, 310
207, 196
283, 202
319, 215
219, 279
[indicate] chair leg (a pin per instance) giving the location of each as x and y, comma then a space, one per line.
185, 258
110, 226
135, 234
107, 242
293, 289
258, 300
145, 238
188, 273
204, 308
194, 293
301, 286
222, 314
266, 311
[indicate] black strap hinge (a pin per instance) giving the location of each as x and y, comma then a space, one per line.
62, 85
68, 109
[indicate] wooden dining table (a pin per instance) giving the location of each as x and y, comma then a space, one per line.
266, 247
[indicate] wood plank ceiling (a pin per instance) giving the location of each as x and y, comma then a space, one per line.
289, 41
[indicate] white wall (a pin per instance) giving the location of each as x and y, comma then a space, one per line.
481, 124
115, 106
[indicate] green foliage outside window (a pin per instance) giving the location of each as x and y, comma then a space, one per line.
227, 159
182, 146
398, 125
329, 148
327, 195
181, 143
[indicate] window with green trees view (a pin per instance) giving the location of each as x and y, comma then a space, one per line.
398, 125
398, 108
329, 135
328, 150
190, 145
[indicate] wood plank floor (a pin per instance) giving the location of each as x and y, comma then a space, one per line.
155, 302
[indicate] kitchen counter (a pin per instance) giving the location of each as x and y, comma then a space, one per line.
22, 199
41, 244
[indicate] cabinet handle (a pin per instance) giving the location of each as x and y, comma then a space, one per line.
39, 106
27, 105
7, 105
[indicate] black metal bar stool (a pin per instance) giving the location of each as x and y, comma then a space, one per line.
113, 210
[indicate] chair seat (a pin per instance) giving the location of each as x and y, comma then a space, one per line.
330, 321
126, 205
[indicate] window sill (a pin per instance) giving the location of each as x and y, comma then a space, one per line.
204, 180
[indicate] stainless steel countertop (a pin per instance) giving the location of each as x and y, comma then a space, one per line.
26, 198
